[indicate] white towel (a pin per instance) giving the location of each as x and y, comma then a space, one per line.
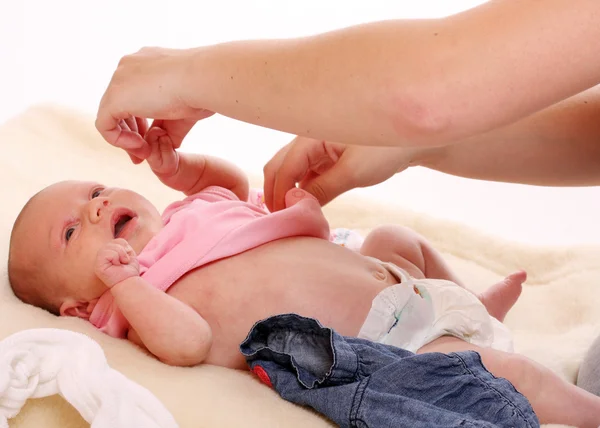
41, 362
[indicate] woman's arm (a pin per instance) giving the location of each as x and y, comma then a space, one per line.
559, 146
402, 82
406, 82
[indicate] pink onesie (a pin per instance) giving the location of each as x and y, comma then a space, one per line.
211, 225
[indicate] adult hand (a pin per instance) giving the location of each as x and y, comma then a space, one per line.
326, 170
147, 85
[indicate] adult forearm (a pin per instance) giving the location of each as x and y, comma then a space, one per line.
559, 146
423, 82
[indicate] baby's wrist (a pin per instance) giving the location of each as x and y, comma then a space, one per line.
120, 284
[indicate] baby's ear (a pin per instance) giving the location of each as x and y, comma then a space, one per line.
74, 308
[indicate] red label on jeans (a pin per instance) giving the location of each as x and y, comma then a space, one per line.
262, 375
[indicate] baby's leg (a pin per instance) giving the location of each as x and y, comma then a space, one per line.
554, 400
411, 252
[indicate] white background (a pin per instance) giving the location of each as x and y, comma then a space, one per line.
65, 51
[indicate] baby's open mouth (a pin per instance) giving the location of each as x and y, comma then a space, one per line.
120, 221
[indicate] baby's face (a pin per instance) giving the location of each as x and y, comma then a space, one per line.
71, 221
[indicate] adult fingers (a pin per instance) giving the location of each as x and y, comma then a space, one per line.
176, 129
132, 124
306, 158
142, 126
331, 184
269, 171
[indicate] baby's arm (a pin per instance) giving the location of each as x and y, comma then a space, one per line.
171, 330
190, 173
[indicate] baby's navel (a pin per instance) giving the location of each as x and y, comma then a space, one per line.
382, 274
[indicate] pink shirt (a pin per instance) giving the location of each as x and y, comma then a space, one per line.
212, 225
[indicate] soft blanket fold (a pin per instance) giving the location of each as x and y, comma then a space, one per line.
42, 362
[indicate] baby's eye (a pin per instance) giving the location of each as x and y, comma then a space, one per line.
96, 193
69, 233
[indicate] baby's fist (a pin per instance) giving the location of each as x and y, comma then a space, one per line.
116, 262
163, 159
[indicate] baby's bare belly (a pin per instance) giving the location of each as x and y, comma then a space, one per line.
307, 276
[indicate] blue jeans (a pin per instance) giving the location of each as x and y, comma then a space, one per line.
358, 383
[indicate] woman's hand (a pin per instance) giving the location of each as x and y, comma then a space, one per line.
147, 85
326, 170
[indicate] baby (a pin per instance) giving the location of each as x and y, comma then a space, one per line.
189, 285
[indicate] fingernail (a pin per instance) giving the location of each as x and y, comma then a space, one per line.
298, 193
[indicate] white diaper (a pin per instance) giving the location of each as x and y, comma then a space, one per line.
417, 311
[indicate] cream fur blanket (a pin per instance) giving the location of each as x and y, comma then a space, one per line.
554, 322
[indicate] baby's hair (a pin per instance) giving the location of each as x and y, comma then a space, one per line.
27, 278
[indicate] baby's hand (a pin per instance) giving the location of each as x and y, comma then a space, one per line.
163, 158
116, 262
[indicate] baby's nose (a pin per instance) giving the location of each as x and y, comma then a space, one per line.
101, 207
97, 207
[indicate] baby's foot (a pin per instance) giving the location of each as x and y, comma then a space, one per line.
501, 297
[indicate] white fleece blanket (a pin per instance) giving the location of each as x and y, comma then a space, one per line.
554, 322
41, 362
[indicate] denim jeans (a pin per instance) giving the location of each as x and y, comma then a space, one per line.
358, 383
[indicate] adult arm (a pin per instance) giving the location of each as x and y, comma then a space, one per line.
558, 146
407, 82
400, 82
